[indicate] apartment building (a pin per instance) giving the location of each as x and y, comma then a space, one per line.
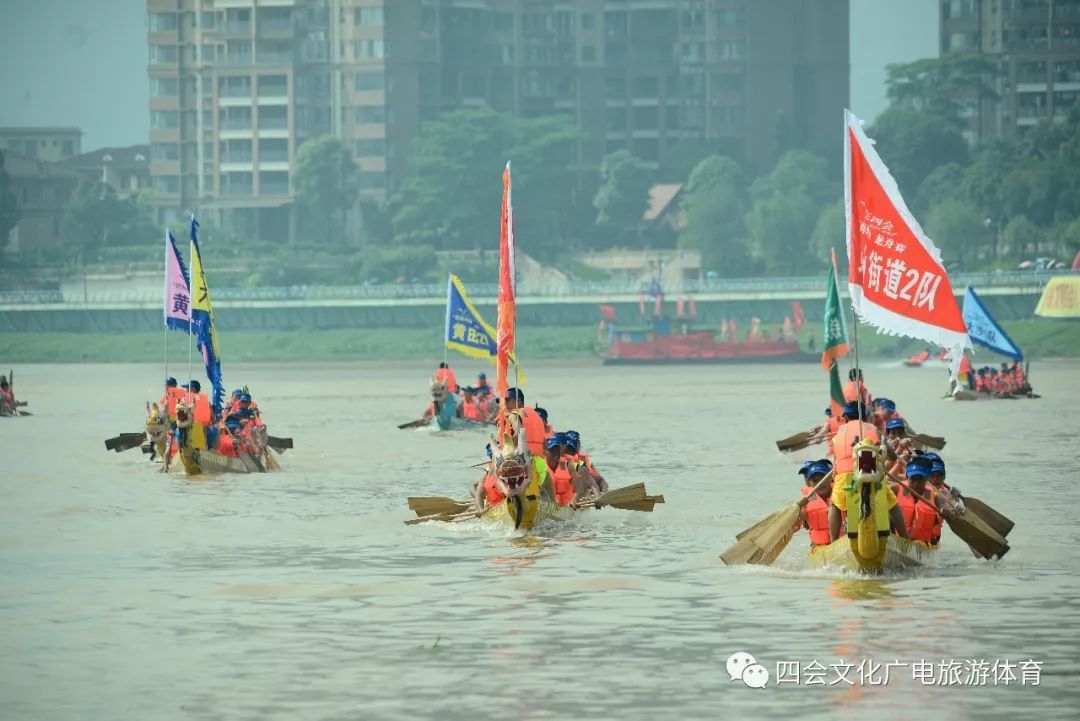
238, 85
1037, 43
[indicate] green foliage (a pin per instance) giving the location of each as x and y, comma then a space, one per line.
326, 183
96, 217
10, 214
394, 263
959, 230
453, 189
715, 202
913, 142
786, 206
1021, 235
937, 85
830, 233
944, 182
623, 196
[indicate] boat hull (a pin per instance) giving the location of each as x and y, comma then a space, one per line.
899, 553
503, 515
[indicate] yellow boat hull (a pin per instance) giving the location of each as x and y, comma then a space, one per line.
532, 513
898, 553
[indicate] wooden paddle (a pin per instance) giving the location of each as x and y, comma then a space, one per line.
125, 441
801, 440
628, 498
968, 526
414, 424
935, 442
999, 522
436, 505
279, 444
775, 531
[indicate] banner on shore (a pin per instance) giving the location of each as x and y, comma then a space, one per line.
1060, 298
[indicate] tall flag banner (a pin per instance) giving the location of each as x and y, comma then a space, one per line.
836, 345
177, 288
507, 322
466, 330
1060, 298
798, 317
895, 276
984, 330
202, 322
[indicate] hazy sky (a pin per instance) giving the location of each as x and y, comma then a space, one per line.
83, 62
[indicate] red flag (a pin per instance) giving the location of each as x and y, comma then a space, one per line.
798, 318
788, 332
895, 276
680, 306
755, 326
693, 308
507, 291
608, 312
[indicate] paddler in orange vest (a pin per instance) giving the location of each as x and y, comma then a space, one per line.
482, 388
559, 469
487, 492
853, 430
229, 441
573, 448
921, 522
855, 386
548, 430
470, 411
445, 374
937, 477
815, 514
173, 394
527, 419
200, 403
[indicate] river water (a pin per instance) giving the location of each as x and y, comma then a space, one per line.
301, 594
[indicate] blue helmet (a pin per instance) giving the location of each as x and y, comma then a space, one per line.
805, 468
489, 454
895, 423
170, 381
245, 397
556, 441
231, 422
930, 456
515, 394
237, 393
937, 466
818, 468
573, 439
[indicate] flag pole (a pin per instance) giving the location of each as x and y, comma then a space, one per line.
446, 330
191, 305
165, 308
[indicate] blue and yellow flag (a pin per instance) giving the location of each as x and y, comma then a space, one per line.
466, 331
202, 322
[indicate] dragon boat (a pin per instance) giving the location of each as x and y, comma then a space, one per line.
869, 546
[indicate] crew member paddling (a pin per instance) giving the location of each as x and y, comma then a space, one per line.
522, 416
855, 387
815, 514
922, 523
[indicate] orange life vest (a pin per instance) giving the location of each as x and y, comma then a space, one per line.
226, 446
201, 412
922, 523
851, 393
534, 430
562, 479
844, 441
491, 488
817, 519
169, 400
446, 377
472, 412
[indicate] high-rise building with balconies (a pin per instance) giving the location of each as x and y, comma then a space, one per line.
238, 85
1038, 45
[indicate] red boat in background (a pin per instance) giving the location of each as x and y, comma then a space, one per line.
661, 344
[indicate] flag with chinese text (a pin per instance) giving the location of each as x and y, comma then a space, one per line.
895, 275
177, 288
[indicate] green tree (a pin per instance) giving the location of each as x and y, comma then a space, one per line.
960, 230
914, 142
10, 214
786, 206
830, 233
326, 183
623, 196
715, 201
451, 194
1021, 236
943, 182
938, 86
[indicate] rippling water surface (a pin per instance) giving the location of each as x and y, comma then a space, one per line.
300, 594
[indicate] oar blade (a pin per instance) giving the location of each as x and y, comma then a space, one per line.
279, 444
998, 521
935, 442
412, 424
757, 527
125, 441
772, 541
977, 534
